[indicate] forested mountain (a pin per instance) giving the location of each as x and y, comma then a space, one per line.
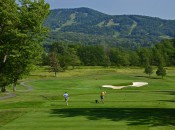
87, 26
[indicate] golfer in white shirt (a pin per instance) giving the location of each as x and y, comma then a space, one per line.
66, 97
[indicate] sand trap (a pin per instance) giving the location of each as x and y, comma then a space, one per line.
134, 84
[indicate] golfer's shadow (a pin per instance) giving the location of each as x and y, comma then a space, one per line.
95, 101
133, 116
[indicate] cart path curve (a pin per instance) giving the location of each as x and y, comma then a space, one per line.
11, 95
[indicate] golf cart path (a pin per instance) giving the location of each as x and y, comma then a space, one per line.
29, 88
11, 95
8, 95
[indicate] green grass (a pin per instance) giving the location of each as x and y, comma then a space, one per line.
151, 107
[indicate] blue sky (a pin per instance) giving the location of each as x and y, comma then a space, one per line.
164, 9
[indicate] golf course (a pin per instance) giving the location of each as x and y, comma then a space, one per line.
38, 103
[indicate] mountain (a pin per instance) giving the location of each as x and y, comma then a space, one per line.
88, 26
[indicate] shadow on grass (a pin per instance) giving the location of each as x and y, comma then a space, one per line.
169, 92
151, 77
133, 116
172, 93
167, 100
42, 76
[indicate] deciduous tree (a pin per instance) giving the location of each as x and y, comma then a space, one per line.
54, 62
161, 71
148, 70
21, 31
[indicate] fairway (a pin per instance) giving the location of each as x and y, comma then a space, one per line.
41, 106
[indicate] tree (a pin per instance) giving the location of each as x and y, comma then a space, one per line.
21, 31
74, 59
165, 52
119, 56
106, 61
161, 71
61, 49
91, 55
54, 62
9, 18
144, 56
148, 70
114, 56
133, 58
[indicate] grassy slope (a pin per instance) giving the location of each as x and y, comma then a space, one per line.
150, 107
133, 27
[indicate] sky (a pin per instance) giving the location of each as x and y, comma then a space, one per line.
164, 9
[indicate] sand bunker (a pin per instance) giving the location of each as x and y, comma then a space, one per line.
135, 84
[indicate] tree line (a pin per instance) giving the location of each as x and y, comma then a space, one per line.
61, 55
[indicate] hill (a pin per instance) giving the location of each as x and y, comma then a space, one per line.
87, 26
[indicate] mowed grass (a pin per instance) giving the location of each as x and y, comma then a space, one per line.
151, 107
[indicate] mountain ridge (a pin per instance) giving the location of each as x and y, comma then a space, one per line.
138, 29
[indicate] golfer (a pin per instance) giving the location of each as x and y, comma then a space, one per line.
102, 96
66, 97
